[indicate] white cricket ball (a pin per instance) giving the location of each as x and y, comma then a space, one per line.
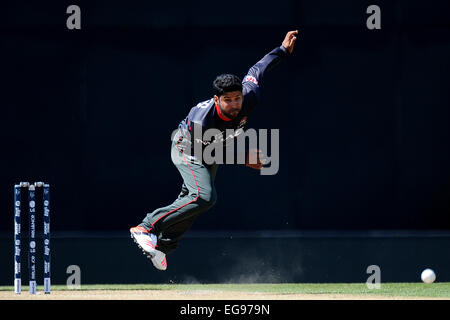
428, 276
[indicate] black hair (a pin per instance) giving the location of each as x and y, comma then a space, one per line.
226, 83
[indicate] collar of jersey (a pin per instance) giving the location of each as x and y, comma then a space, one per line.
219, 113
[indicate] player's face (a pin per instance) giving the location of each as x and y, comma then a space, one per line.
230, 103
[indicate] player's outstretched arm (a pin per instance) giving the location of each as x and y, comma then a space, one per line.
256, 73
255, 158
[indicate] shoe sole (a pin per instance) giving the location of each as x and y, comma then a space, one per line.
145, 253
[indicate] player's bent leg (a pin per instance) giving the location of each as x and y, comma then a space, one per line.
155, 223
175, 228
198, 195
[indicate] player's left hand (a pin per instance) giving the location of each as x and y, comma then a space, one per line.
255, 159
289, 40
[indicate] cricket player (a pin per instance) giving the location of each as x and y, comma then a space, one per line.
232, 103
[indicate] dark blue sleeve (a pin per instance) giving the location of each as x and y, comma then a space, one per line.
255, 74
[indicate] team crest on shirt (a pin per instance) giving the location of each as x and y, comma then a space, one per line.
251, 79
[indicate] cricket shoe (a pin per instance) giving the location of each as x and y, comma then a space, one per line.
145, 240
159, 260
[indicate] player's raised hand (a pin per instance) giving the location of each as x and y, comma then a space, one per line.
289, 40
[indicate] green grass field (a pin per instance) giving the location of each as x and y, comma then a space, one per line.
435, 290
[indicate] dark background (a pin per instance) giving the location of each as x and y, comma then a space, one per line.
363, 114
